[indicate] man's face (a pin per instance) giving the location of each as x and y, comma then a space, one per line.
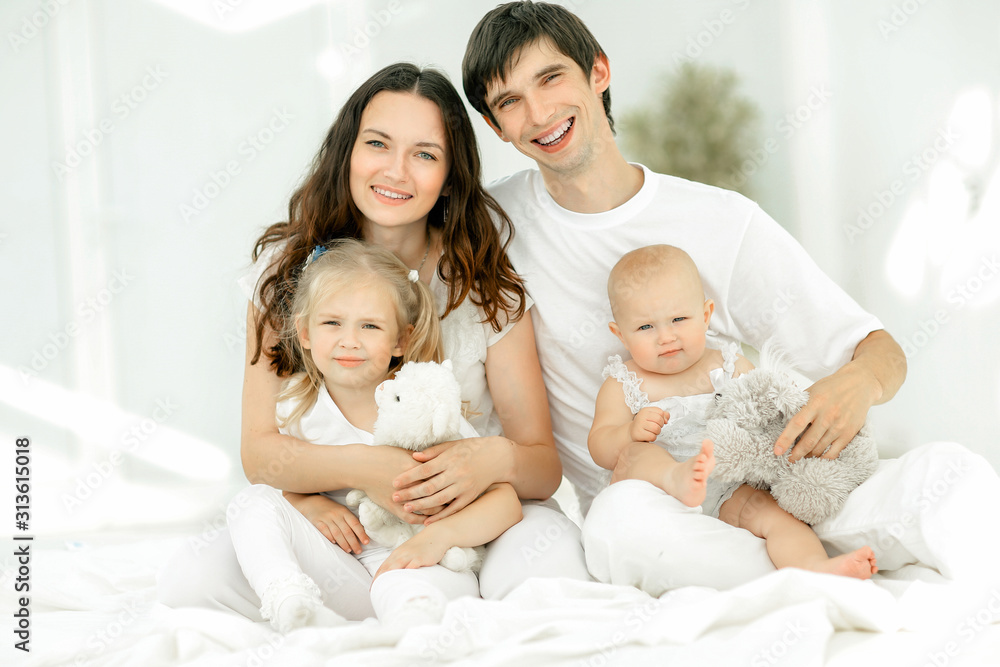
550, 110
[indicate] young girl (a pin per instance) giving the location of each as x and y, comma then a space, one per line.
660, 396
358, 314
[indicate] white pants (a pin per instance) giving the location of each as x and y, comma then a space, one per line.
206, 573
270, 537
932, 506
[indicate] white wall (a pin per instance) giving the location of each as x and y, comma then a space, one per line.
129, 386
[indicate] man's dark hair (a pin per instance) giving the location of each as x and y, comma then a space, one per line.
502, 33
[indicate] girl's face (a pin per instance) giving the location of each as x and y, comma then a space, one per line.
663, 325
353, 336
400, 160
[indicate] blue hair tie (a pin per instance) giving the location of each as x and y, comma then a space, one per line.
314, 255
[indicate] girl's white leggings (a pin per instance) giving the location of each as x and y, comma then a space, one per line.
277, 541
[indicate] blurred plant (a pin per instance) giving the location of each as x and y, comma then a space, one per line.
701, 127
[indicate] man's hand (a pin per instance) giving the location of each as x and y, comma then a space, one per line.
647, 424
837, 407
452, 474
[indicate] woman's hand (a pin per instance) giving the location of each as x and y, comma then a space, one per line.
337, 523
388, 464
452, 474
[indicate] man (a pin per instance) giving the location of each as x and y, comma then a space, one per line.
541, 81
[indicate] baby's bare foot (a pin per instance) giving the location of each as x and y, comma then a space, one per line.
859, 564
687, 481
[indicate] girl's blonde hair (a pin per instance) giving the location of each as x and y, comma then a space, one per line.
345, 264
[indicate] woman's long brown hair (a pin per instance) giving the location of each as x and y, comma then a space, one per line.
474, 262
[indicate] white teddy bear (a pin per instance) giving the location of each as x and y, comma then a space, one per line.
745, 421
420, 407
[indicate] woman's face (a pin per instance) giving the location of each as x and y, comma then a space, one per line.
400, 160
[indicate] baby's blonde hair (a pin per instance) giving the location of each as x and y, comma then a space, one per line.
347, 263
634, 271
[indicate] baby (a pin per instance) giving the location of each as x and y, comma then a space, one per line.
649, 419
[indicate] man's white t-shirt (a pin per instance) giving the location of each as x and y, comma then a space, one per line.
765, 287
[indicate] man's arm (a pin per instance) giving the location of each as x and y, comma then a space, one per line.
838, 404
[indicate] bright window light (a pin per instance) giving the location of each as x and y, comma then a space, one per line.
972, 121
237, 15
907, 259
101, 423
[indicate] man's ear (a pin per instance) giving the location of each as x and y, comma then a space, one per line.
302, 331
600, 73
613, 326
493, 127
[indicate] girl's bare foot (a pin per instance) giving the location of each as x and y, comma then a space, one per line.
859, 564
687, 481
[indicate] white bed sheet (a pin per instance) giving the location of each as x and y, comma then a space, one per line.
94, 605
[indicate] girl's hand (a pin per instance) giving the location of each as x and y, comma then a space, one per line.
647, 424
337, 523
452, 474
423, 549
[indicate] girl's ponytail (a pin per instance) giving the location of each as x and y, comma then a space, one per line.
425, 340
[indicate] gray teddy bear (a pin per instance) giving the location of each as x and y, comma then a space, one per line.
745, 421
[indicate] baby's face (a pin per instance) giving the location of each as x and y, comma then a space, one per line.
663, 324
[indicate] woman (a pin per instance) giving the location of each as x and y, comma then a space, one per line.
400, 168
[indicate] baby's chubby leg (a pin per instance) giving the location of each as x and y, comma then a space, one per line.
790, 542
687, 481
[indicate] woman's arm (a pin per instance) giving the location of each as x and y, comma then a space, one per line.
287, 463
482, 521
455, 473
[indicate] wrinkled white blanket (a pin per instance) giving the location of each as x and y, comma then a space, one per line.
95, 606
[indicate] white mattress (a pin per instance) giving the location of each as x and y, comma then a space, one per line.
94, 604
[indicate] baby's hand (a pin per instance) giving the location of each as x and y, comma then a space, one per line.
647, 424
